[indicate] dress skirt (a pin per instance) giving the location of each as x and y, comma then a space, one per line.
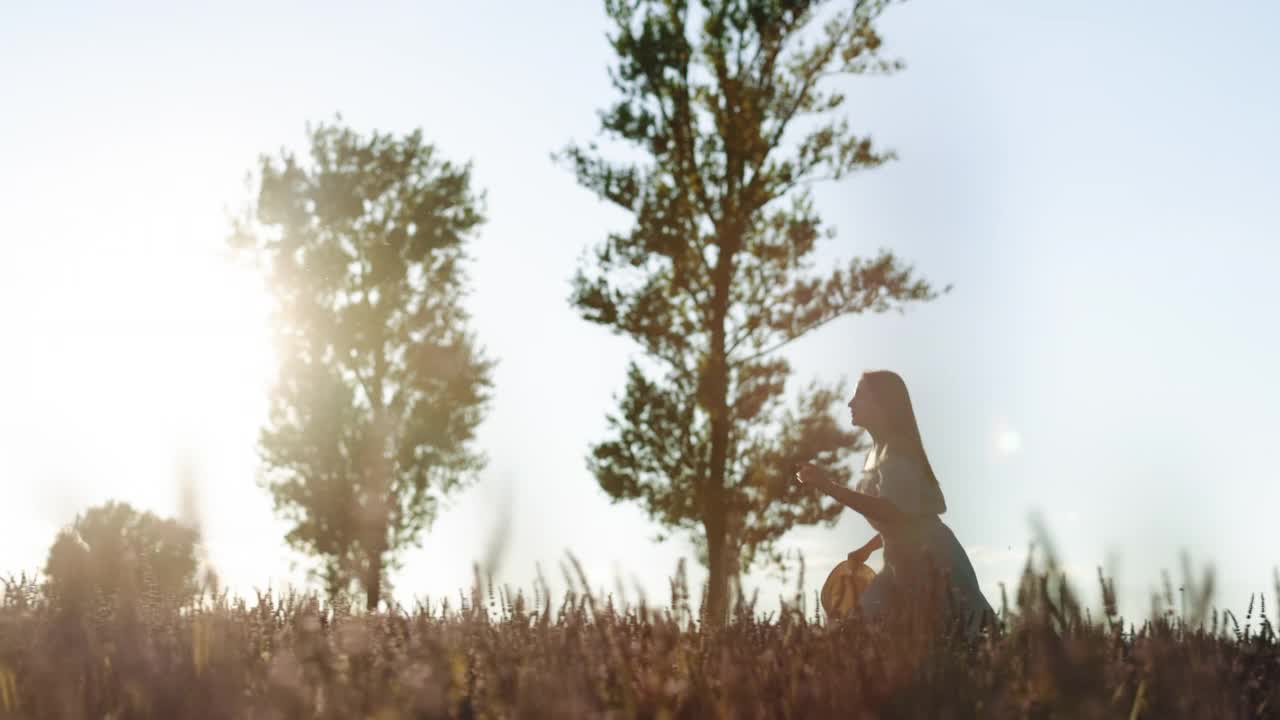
921, 557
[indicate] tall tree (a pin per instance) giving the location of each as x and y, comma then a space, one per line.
381, 385
728, 107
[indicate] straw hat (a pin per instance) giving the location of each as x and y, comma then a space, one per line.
843, 586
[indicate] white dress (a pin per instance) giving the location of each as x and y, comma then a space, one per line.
918, 545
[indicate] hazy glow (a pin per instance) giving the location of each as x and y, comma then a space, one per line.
170, 342
140, 343
1008, 441
1108, 220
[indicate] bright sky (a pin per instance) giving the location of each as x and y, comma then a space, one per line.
1097, 179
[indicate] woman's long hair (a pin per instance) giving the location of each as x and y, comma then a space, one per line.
891, 393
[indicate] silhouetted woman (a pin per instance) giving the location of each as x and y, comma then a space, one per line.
899, 496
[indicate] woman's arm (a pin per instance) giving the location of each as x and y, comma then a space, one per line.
862, 554
877, 509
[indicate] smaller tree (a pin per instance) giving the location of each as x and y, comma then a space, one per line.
115, 549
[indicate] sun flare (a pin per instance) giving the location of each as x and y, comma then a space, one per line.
1008, 441
131, 358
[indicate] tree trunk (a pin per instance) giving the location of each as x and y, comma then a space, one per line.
716, 400
716, 610
373, 584
733, 584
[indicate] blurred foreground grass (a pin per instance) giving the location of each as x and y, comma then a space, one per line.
141, 655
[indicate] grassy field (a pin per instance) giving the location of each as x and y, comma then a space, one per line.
493, 655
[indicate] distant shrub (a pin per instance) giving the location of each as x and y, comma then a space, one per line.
114, 551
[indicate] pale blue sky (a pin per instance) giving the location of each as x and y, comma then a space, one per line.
1097, 179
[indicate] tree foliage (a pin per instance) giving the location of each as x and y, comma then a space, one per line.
728, 105
380, 385
113, 549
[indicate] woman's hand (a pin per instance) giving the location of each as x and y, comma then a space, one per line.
861, 555
810, 475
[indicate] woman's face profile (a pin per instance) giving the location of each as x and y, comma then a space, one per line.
863, 410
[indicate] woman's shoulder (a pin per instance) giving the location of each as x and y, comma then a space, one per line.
906, 479
884, 467
900, 464
869, 482
870, 461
